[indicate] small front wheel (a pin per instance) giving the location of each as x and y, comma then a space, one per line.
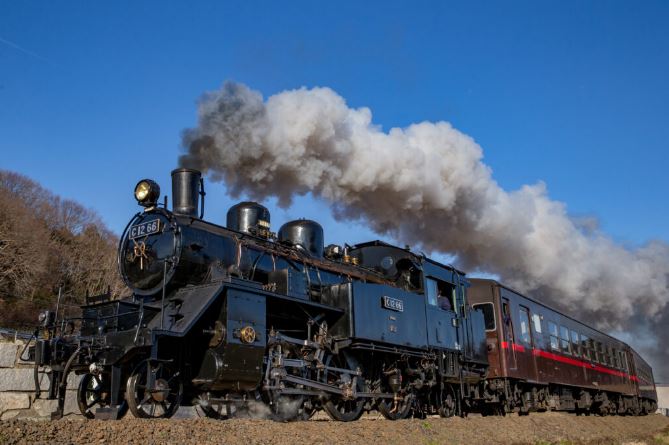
93, 392
154, 390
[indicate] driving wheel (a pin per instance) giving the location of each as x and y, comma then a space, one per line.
345, 407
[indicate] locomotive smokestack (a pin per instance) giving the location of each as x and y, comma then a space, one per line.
427, 185
185, 191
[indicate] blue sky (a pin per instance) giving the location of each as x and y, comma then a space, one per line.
94, 96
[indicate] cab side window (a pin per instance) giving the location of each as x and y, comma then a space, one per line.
431, 291
440, 293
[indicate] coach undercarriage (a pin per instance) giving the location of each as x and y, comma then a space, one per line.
504, 396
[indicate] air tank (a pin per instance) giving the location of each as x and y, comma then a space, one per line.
185, 191
248, 217
303, 234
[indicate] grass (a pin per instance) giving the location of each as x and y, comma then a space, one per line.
662, 437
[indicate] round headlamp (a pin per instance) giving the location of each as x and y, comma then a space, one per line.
147, 193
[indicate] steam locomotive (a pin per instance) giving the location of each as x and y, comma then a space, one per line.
239, 320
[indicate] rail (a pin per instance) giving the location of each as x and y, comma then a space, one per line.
15, 334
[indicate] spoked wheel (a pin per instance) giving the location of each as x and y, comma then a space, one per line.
447, 408
94, 392
154, 390
240, 406
344, 408
214, 409
397, 409
288, 407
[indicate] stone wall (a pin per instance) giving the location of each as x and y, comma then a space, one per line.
17, 386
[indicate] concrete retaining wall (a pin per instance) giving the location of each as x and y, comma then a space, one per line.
662, 398
17, 387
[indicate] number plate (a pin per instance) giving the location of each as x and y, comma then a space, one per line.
393, 304
145, 229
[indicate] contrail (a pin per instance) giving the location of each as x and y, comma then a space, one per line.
427, 185
23, 50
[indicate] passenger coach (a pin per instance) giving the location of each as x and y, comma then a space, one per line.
542, 359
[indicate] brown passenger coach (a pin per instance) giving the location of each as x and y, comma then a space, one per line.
542, 359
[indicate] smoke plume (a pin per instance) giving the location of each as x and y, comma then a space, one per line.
427, 185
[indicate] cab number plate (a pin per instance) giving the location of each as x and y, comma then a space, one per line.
145, 229
392, 303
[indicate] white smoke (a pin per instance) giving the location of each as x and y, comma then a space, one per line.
425, 185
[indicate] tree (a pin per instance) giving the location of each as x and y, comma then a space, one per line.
47, 242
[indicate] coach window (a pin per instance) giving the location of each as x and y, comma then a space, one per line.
607, 355
623, 362
599, 353
524, 325
553, 331
564, 340
575, 343
488, 311
616, 360
536, 321
591, 348
585, 346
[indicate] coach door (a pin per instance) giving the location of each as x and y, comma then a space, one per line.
509, 341
525, 347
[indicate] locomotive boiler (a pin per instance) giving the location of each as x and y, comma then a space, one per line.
240, 320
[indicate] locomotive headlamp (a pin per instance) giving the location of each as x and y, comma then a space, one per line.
147, 193
46, 318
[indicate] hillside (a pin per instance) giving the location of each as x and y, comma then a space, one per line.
47, 242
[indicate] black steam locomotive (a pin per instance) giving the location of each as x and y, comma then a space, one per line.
241, 321
237, 319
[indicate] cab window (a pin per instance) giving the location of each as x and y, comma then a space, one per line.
440, 293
